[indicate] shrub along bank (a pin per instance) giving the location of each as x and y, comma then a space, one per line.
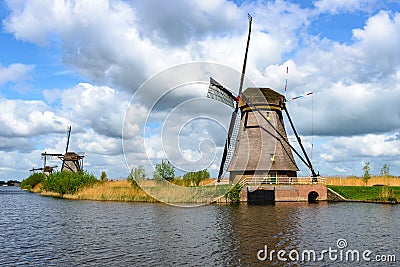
66, 182
32, 180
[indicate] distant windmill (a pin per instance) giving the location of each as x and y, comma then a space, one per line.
71, 161
47, 170
257, 143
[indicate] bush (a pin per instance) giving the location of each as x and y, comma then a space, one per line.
164, 171
234, 194
387, 194
137, 174
66, 182
33, 180
196, 177
385, 171
103, 177
178, 181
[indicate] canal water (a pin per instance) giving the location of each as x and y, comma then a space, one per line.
45, 231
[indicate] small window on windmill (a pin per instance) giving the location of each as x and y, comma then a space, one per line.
272, 157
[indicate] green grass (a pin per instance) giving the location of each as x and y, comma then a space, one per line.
369, 193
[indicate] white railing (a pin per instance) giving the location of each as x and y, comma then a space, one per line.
282, 180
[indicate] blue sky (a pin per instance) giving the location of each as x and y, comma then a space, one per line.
79, 62
48, 69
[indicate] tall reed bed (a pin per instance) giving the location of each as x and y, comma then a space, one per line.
171, 193
121, 190
357, 181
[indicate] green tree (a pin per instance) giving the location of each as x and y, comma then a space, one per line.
385, 170
103, 177
137, 174
196, 177
366, 176
164, 170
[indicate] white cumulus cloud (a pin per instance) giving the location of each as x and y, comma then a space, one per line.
15, 73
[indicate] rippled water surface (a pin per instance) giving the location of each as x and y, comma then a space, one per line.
45, 231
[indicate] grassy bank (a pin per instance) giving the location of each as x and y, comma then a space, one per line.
369, 193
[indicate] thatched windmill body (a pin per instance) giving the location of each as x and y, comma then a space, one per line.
257, 143
262, 146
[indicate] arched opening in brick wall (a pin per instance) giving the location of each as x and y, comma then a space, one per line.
312, 197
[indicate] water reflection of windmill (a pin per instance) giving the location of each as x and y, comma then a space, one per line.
257, 144
71, 161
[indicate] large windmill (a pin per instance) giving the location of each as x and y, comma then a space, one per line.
71, 161
257, 143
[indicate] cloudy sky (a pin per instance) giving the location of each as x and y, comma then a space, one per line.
78, 63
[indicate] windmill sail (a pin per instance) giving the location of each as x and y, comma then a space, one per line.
217, 92
68, 136
229, 145
245, 56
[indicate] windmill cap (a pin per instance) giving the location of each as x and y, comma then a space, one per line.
72, 156
262, 96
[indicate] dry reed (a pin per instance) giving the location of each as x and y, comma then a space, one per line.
121, 190
357, 181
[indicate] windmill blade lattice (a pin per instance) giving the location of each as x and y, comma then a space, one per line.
217, 92
231, 147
